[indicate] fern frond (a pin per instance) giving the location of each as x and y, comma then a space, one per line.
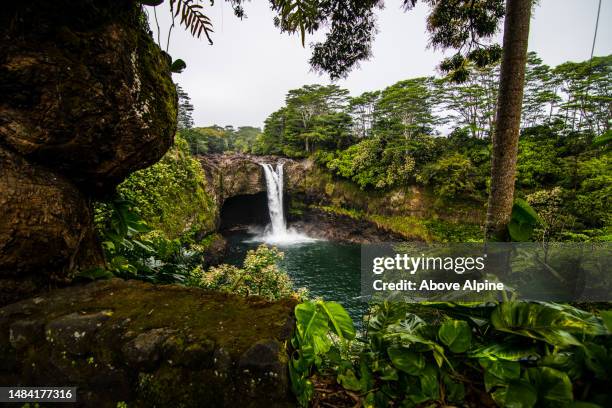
192, 17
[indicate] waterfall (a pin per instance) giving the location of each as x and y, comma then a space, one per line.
274, 184
277, 232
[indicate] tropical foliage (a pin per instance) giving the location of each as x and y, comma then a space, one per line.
394, 137
158, 225
513, 354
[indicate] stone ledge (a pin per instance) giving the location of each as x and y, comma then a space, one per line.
150, 345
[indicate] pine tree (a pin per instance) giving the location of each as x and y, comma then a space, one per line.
185, 110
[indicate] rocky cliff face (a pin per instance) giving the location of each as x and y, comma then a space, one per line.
230, 175
314, 185
328, 207
84, 89
86, 98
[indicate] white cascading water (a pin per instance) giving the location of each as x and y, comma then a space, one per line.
277, 232
274, 184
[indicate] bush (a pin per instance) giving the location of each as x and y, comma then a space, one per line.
259, 276
451, 176
170, 195
512, 354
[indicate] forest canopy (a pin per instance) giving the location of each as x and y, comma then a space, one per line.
437, 133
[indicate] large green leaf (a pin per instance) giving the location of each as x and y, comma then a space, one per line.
518, 394
505, 351
406, 360
349, 381
499, 372
522, 221
396, 335
606, 316
553, 387
520, 231
549, 322
524, 213
456, 334
341, 322
429, 382
312, 325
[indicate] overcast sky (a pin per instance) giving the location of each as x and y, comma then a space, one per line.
245, 75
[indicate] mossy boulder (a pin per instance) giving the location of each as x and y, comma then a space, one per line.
84, 90
155, 345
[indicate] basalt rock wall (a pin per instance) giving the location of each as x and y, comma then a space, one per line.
231, 175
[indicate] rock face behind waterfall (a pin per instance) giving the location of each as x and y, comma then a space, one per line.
230, 175
86, 98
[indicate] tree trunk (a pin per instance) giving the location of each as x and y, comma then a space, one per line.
506, 134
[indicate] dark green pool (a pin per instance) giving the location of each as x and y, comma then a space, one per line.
327, 269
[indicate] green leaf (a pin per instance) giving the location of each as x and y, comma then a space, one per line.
342, 324
553, 387
522, 221
505, 351
606, 316
429, 382
524, 213
456, 334
455, 391
518, 394
500, 372
549, 322
313, 327
520, 231
406, 360
349, 381
178, 66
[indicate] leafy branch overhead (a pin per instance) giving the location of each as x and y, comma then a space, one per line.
463, 25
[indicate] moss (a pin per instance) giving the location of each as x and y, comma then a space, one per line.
199, 324
232, 322
414, 228
171, 195
318, 186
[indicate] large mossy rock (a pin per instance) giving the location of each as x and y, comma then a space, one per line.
86, 98
84, 90
46, 228
150, 346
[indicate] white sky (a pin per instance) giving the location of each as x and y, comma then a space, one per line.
245, 75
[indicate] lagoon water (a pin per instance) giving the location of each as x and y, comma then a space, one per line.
328, 269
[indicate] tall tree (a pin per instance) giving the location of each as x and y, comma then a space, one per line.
185, 109
410, 103
362, 109
473, 102
506, 135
